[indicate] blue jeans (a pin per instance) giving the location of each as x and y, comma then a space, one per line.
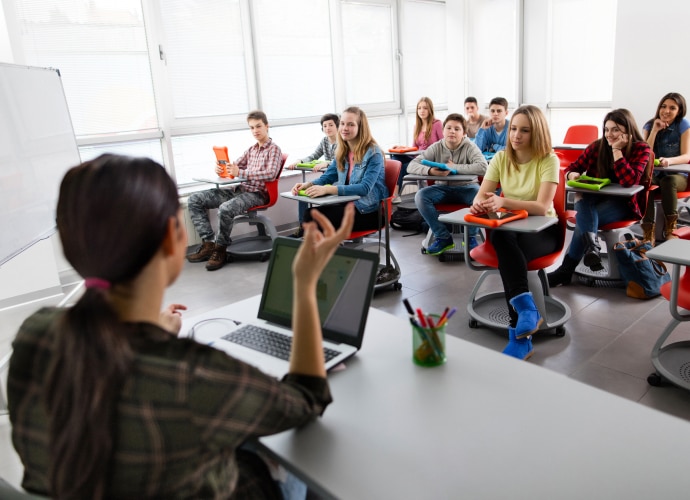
595, 210
404, 162
427, 197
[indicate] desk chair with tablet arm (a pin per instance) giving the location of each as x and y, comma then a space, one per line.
260, 244
490, 309
576, 134
456, 253
614, 232
389, 269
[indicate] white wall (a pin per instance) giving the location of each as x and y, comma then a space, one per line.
5, 50
651, 54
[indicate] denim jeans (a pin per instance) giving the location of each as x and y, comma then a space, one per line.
427, 197
595, 210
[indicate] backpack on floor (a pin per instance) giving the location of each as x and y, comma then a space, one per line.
408, 219
643, 276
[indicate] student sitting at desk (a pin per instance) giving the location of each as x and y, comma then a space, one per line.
427, 131
326, 148
106, 401
622, 156
358, 169
668, 134
460, 154
473, 117
528, 173
258, 164
492, 135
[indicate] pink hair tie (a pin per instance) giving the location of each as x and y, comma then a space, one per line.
97, 283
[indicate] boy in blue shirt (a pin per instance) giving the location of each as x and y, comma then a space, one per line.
492, 135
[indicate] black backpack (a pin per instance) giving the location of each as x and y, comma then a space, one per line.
408, 219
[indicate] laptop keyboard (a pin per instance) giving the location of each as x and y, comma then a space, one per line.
268, 341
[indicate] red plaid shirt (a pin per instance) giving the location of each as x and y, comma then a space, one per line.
260, 164
626, 171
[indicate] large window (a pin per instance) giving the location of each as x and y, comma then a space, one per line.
203, 50
101, 51
371, 72
294, 53
492, 63
581, 62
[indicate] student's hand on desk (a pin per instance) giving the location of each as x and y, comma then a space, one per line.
492, 203
315, 191
171, 318
233, 169
292, 166
320, 166
300, 185
219, 169
663, 163
571, 176
438, 171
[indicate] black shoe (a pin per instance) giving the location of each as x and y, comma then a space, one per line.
299, 233
592, 257
564, 274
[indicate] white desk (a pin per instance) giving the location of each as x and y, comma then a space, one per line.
672, 360
682, 168
483, 425
449, 178
220, 181
411, 154
613, 189
331, 199
579, 147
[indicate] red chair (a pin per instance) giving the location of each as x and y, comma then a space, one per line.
490, 309
576, 134
389, 273
259, 244
613, 232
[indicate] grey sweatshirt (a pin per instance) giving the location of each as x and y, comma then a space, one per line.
466, 158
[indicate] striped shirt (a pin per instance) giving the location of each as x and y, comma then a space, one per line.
260, 164
182, 414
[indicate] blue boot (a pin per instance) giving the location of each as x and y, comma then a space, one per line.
529, 318
518, 348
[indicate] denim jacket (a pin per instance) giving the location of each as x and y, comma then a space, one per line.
667, 141
368, 180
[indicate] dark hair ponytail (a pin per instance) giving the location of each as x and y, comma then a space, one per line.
112, 216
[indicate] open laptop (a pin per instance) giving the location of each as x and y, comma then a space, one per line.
344, 293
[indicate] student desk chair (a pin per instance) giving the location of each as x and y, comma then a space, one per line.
261, 243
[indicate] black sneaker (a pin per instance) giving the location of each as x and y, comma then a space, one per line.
299, 233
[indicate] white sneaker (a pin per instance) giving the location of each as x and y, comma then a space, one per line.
396, 200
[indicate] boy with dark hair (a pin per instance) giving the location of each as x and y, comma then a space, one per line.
460, 154
473, 117
259, 164
493, 134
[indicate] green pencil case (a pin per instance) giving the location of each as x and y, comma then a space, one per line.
587, 182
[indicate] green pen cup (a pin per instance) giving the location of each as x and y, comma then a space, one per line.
429, 345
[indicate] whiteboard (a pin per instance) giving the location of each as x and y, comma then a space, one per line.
37, 147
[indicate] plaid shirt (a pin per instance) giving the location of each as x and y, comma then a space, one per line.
181, 415
260, 164
626, 171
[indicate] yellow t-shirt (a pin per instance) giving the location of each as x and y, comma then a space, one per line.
523, 184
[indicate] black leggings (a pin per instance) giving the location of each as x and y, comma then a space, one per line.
514, 250
334, 213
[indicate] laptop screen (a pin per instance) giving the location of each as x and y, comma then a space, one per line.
343, 292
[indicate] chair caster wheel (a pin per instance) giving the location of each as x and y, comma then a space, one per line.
473, 323
423, 251
589, 282
442, 258
397, 286
655, 380
559, 331
263, 258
